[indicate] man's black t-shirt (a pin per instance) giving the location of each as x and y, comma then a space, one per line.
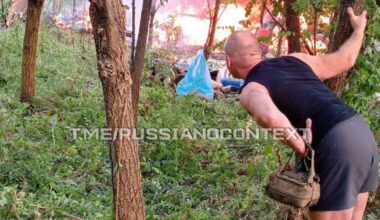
300, 94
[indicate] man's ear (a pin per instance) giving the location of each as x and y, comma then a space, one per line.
262, 49
228, 61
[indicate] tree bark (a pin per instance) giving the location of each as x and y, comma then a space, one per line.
133, 47
211, 34
28, 69
138, 62
293, 25
108, 22
151, 26
339, 36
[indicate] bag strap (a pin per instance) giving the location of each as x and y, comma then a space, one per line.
282, 167
312, 167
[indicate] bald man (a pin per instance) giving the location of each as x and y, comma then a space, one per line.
285, 92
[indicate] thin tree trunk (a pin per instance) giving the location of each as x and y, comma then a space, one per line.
74, 10
341, 33
211, 34
57, 6
2, 8
138, 65
333, 18
16, 10
28, 69
262, 12
315, 30
279, 46
72, 24
153, 11
293, 25
108, 22
151, 26
156, 4
3, 15
133, 47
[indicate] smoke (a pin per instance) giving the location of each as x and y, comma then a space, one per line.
192, 16
197, 8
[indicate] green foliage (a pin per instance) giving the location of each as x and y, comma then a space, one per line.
310, 11
3, 10
364, 82
201, 179
44, 173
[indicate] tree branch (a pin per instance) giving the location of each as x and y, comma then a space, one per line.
275, 20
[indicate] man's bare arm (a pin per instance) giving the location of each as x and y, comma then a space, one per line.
255, 98
329, 65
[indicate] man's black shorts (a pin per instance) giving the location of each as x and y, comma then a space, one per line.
347, 164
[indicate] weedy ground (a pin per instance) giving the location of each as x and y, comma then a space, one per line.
45, 173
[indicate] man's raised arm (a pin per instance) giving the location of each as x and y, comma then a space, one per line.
329, 65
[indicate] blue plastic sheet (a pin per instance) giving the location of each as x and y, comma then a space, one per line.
232, 82
197, 78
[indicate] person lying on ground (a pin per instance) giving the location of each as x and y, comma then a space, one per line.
284, 92
225, 84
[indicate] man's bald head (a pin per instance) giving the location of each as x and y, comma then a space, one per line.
241, 43
243, 51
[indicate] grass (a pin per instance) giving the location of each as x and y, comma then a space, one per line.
44, 173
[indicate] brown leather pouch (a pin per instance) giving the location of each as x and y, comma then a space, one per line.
295, 188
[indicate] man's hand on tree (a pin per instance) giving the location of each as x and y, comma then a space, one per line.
359, 22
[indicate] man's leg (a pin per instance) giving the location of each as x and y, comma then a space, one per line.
360, 206
355, 213
332, 215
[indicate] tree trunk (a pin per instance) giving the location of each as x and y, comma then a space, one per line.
156, 4
341, 33
2, 8
3, 14
133, 47
293, 25
279, 46
262, 12
138, 64
16, 10
74, 11
108, 22
151, 26
151, 23
28, 69
211, 34
57, 6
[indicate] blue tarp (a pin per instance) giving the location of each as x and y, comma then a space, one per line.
197, 78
